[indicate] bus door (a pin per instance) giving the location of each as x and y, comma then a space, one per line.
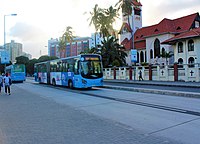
48, 73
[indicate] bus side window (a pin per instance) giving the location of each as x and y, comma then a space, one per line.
76, 67
70, 64
63, 67
59, 66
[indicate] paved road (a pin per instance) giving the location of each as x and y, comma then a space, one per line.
32, 117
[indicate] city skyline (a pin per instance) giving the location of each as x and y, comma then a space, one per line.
37, 21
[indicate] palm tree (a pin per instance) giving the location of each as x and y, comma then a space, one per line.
68, 34
66, 37
111, 52
95, 17
109, 17
126, 6
166, 55
103, 19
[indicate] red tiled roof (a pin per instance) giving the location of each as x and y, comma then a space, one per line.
127, 43
166, 26
140, 44
189, 34
125, 25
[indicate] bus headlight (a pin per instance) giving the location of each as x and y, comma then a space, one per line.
84, 81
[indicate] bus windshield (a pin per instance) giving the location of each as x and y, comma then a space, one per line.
91, 69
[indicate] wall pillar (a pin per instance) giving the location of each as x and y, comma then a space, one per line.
197, 72
175, 72
130, 73
114, 72
150, 72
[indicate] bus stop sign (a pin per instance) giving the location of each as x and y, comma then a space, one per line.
5, 59
133, 55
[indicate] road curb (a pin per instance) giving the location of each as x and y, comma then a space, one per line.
154, 91
172, 84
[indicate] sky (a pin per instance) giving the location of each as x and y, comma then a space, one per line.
37, 21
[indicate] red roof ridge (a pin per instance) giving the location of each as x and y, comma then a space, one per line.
136, 2
125, 25
188, 34
194, 14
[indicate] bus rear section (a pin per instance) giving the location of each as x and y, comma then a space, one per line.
16, 72
41, 73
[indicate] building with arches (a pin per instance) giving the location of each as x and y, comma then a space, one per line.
179, 36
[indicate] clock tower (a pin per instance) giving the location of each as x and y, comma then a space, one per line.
130, 24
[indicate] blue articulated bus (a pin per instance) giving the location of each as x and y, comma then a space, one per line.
82, 71
17, 72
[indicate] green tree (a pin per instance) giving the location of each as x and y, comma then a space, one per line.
166, 55
46, 58
30, 66
112, 52
103, 20
110, 15
22, 60
94, 19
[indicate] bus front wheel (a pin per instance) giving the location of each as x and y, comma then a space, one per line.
70, 84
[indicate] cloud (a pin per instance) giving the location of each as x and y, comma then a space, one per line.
154, 11
32, 38
27, 32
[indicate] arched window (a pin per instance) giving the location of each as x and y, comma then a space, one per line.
190, 45
156, 48
151, 54
141, 56
137, 57
180, 47
180, 61
145, 56
191, 62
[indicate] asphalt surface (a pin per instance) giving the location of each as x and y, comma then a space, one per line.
28, 118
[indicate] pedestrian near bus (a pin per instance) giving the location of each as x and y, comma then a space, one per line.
7, 83
1, 82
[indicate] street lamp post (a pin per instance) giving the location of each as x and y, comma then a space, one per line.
5, 32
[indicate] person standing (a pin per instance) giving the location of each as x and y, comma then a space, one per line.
7, 83
1, 82
140, 75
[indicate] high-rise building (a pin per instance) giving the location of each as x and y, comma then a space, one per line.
14, 49
77, 46
95, 40
53, 49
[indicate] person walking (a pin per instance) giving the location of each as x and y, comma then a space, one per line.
1, 82
140, 75
7, 83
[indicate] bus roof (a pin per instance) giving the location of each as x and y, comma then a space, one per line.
67, 58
